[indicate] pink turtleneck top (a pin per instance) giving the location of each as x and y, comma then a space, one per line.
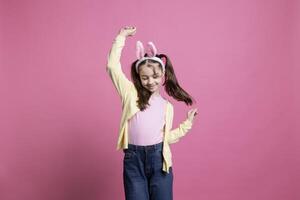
146, 127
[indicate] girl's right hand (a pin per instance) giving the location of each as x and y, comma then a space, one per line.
127, 31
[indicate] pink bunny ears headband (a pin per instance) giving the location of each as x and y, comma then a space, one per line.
140, 51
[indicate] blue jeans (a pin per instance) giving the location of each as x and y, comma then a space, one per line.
143, 176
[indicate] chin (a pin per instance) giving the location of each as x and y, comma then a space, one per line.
153, 91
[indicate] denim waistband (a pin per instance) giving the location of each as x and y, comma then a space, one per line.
157, 146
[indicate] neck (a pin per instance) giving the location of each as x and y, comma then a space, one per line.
156, 93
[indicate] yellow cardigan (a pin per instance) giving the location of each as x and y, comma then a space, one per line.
128, 95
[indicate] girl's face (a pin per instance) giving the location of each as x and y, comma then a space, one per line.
151, 76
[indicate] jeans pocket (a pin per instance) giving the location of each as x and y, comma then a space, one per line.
158, 151
128, 153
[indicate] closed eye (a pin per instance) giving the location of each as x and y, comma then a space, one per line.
145, 77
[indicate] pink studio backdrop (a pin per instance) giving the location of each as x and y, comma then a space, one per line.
60, 112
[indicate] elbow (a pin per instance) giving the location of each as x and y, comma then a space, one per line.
110, 66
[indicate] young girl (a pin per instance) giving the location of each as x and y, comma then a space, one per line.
146, 123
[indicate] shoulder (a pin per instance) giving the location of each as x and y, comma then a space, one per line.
169, 105
165, 100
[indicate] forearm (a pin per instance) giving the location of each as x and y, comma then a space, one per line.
114, 68
175, 134
115, 52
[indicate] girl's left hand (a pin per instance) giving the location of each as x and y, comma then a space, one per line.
191, 114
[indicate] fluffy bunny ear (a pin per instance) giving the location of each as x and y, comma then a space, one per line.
152, 49
140, 51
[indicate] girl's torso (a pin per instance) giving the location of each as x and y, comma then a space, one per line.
147, 127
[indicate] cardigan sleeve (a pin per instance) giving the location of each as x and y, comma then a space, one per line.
114, 69
175, 134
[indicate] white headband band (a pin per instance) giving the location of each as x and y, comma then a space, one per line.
140, 51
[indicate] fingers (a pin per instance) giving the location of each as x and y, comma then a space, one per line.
130, 27
193, 111
130, 30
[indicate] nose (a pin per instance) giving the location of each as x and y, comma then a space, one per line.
150, 82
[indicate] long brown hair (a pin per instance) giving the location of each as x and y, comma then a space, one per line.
171, 84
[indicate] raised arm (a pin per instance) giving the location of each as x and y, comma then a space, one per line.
114, 69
